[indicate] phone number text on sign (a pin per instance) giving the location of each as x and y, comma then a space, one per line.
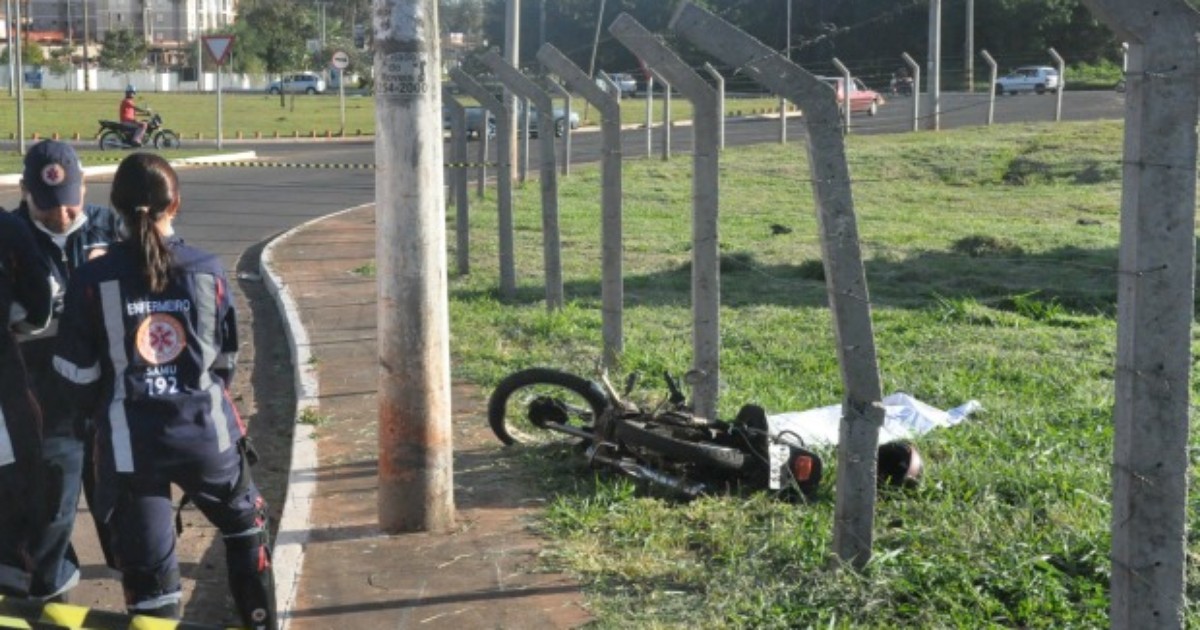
404, 75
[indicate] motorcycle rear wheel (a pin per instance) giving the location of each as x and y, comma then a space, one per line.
111, 141
166, 139
547, 412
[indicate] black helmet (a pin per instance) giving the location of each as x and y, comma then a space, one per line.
899, 465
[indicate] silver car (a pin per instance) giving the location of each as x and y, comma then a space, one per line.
1037, 79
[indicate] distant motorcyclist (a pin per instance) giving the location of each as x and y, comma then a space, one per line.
134, 128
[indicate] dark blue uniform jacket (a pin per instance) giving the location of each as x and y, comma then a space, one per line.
153, 368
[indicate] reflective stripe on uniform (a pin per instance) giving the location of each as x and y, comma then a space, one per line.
206, 331
225, 361
76, 374
114, 326
7, 456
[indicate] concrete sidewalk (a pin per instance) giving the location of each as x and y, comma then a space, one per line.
335, 569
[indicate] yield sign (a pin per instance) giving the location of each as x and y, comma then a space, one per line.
218, 47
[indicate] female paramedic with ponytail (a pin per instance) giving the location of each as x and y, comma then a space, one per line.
147, 345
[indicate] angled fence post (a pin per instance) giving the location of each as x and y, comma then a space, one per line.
666, 133
712, 72
458, 157
915, 68
991, 86
847, 85
484, 140
566, 137
650, 116
504, 168
706, 275
608, 103
845, 276
1155, 307
523, 126
527, 89
1062, 84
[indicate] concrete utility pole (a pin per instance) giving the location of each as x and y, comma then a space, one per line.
595, 46
8, 41
787, 53
525, 88
17, 52
512, 54
416, 473
706, 273
612, 292
970, 46
915, 68
845, 275
935, 64
504, 171
1155, 310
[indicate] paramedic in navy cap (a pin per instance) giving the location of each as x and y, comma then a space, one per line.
147, 346
67, 233
25, 300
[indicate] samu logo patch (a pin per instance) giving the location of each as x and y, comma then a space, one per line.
160, 339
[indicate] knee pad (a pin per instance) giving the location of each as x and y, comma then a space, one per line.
147, 592
251, 580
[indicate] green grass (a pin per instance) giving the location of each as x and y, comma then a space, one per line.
192, 115
991, 255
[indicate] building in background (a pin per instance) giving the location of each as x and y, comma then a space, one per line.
170, 27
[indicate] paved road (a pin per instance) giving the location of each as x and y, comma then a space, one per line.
230, 210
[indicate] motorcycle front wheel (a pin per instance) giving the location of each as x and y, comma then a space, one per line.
166, 139
555, 401
111, 141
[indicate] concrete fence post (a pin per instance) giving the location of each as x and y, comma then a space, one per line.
915, 68
484, 141
706, 274
1155, 310
650, 116
1062, 84
528, 90
566, 137
712, 72
666, 130
845, 276
608, 103
992, 67
504, 169
458, 156
847, 86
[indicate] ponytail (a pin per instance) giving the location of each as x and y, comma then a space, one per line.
144, 187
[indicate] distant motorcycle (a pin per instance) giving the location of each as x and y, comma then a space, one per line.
114, 135
902, 86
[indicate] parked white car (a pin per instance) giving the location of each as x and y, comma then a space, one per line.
1038, 79
301, 82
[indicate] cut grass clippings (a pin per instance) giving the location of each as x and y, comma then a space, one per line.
991, 256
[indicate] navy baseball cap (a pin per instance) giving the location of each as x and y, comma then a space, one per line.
53, 175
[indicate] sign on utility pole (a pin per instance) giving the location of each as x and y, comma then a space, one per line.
339, 61
416, 485
219, 47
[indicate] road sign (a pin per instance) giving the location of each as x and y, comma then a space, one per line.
340, 60
218, 47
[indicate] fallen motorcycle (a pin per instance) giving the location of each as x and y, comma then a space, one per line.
668, 445
114, 135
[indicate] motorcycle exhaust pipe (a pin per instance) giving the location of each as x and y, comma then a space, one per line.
638, 471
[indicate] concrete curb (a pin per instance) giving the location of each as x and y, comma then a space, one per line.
13, 179
295, 520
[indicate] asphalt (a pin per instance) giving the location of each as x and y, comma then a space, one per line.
334, 568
